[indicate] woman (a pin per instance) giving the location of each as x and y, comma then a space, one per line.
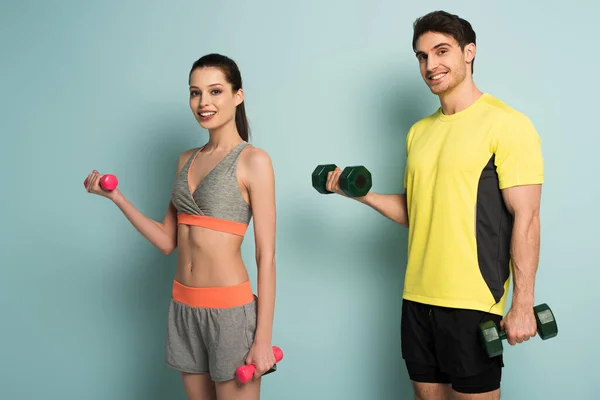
215, 322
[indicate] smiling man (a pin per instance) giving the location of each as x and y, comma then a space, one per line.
472, 183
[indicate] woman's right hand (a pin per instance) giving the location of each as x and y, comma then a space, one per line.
93, 186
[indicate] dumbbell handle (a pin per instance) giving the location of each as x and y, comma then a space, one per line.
544, 307
244, 373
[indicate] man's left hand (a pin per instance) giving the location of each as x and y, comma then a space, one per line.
519, 324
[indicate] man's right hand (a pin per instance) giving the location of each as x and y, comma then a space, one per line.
333, 182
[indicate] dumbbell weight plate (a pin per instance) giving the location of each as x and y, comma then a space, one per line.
547, 327
355, 181
491, 337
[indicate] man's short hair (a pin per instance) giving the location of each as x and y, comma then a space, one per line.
446, 23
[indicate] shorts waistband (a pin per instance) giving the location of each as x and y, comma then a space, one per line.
213, 297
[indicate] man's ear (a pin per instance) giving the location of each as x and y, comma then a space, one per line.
469, 52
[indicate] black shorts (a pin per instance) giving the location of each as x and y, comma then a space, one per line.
442, 345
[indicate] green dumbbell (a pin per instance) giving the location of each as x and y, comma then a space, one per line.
492, 337
354, 181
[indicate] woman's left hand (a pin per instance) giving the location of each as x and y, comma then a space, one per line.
262, 357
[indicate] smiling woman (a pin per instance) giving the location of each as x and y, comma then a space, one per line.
216, 323
216, 73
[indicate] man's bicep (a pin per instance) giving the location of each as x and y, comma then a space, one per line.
523, 200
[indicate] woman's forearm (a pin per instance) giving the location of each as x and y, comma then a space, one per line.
266, 300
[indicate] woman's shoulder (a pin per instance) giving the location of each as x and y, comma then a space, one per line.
255, 157
184, 156
255, 163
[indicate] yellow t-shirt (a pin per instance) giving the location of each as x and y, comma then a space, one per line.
459, 228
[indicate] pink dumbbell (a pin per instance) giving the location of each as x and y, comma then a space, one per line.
245, 373
108, 182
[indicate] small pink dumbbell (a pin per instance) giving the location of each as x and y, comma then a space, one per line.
244, 373
108, 182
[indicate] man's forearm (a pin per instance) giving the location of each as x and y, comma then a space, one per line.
392, 206
525, 250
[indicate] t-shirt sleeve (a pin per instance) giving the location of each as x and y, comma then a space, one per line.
518, 153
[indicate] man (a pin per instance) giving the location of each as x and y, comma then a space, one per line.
473, 179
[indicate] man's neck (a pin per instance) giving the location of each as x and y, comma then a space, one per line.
459, 98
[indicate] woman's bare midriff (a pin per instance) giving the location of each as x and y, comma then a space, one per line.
208, 258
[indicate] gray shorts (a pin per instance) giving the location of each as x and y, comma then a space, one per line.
212, 340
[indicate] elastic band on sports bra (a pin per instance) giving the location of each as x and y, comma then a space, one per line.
216, 224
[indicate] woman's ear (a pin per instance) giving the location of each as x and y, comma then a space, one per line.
239, 97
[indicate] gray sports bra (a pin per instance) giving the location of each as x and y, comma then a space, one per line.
217, 202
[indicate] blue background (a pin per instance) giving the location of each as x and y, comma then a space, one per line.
102, 85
